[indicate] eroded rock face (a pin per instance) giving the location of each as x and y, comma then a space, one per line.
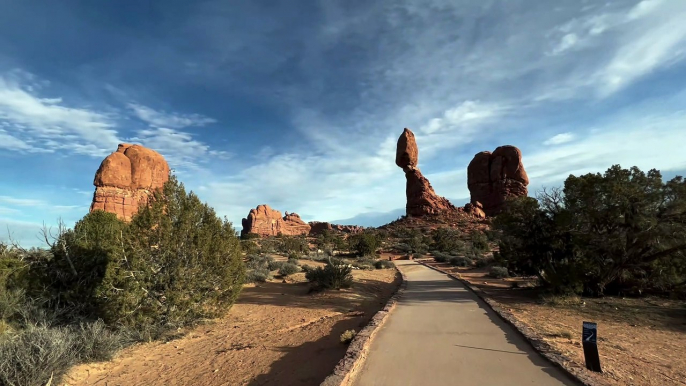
265, 221
492, 178
318, 227
421, 197
127, 178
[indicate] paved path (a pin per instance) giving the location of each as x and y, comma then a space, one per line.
440, 333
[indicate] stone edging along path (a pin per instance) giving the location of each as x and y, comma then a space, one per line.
348, 367
531, 336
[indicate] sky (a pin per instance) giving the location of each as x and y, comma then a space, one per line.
299, 104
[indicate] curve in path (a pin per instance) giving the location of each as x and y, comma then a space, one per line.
440, 333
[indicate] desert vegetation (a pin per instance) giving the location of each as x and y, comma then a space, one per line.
621, 232
106, 283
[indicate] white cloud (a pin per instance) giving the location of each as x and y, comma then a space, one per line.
560, 139
179, 148
46, 124
568, 41
169, 119
21, 201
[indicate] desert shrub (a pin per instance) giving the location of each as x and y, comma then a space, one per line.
249, 247
620, 232
364, 263
402, 247
293, 244
259, 275
249, 236
498, 272
293, 261
447, 240
417, 256
178, 263
258, 261
276, 265
293, 256
38, 354
484, 261
335, 275
306, 268
441, 257
383, 264
288, 269
460, 261
479, 241
365, 243
348, 336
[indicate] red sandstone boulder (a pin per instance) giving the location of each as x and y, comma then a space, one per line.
265, 221
492, 178
407, 153
421, 198
127, 178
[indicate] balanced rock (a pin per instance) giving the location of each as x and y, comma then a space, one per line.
421, 197
492, 178
265, 221
127, 179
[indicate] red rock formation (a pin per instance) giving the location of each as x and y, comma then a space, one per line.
494, 177
265, 221
421, 198
127, 178
475, 209
318, 227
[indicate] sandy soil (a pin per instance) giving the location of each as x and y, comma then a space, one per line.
641, 341
276, 333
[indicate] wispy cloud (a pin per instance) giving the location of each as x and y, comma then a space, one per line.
173, 120
48, 124
179, 148
560, 139
21, 201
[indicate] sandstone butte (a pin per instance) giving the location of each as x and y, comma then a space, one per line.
492, 178
127, 179
265, 221
421, 198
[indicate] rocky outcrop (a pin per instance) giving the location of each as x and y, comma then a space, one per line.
492, 178
475, 209
265, 221
318, 227
127, 179
421, 197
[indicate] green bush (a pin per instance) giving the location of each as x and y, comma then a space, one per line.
479, 241
293, 256
447, 240
306, 268
259, 262
461, 261
365, 244
417, 256
441, 257
259, 275
364, 263
622, 232
498, 272
383, 264
175, 263
484, 261
348, 336
276, 265
335, 275
288, 269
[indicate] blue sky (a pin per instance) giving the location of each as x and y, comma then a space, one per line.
299, 104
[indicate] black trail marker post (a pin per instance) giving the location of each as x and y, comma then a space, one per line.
590, 342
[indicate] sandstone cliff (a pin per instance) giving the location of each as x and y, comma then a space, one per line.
265, 221
127, 178
492, 178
